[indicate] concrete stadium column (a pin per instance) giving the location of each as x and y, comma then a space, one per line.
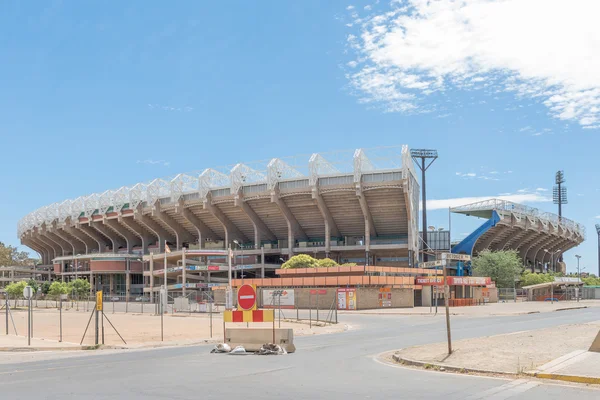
161, 233
294, 228
76, 245
231, 231
181, 234
145, 236
128, 284
260, 228
90, 244
58, 252
204, 232
92, 283
369, 224
92, 233
183, 273
262, 261
151, 275
51, 253
115, 240
62, 246
330, 225
131, 239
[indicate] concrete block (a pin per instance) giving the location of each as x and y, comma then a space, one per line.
253, 338
595, 347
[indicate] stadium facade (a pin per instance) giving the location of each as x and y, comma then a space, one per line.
539, 237
359, 207
355, 208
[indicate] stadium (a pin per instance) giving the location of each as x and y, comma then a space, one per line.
359, 208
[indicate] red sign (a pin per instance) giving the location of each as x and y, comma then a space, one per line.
453, 280
429, 280
320, 291
247, 297
469, 280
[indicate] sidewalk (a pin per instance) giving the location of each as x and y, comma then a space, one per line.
559, 352
578, 366
19, 343
494, 309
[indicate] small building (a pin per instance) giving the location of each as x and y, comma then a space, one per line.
561, 289
12, 274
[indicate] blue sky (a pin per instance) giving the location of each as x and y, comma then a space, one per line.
96, 95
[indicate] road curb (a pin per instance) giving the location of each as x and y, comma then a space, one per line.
570, 308
30, 349
540, 375
446, 367
566, 378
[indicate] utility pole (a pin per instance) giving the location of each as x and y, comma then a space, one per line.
598, 232
424, 155
578, 276
559, 195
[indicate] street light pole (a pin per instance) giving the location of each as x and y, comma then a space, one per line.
578, 276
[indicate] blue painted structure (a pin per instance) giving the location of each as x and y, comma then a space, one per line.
467, 244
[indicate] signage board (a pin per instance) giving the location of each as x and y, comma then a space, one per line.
385, 297
318, 291
346, 299
99, 300
27, 292
431, 264
453, 280
456, 257
469, 280
273, 298
247, 297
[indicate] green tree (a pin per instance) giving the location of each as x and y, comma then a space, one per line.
58, 288
45, 287
34, 285
529, 278
504, 267
300, 261
591, 281
15, 290
11, 256
326, 262
80, 287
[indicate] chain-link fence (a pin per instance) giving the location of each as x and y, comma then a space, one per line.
507, 295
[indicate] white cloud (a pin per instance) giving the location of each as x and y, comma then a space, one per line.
461, 201
597, 216
350, 8
421, 47
541, 190
154, 162
466, 175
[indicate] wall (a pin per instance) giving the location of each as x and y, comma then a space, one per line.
368, 298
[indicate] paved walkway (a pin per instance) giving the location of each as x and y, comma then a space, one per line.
12, 343
578, 366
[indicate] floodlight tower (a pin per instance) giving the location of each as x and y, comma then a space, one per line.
427, 157
598, 231
559, 195
559, 192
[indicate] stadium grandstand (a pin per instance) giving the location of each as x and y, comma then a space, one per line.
539, 237
359, 207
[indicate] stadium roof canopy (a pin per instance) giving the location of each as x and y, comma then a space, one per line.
539, 237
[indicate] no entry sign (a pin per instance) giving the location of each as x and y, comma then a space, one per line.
247, 297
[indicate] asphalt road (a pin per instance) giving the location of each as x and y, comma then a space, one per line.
326, 366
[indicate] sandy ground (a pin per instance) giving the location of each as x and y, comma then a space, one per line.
512, 353
139, 330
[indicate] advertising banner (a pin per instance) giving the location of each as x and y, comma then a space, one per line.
346, 298
271, 298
